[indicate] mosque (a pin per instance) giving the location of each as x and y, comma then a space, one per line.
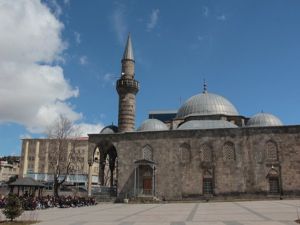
205, 149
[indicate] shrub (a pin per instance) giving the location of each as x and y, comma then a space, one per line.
13, 208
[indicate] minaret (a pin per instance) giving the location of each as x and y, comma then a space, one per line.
127, 88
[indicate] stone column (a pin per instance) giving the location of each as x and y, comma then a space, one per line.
112, 168
90, 179
135, 181
101, 175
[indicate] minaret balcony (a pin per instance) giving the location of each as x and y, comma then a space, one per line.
127, 85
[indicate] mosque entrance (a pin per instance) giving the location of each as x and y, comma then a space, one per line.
144, 178
273, 177
274, 185
147, 185
207, 186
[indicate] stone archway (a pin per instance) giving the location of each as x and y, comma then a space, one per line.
107, 160
107, 164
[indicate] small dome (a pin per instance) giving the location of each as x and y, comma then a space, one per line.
264, 120
111, 129
206, 124
152, 125
206, 104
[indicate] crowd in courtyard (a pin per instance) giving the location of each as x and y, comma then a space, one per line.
33, 203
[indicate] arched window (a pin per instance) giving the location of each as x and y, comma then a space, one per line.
228, 151
147, 153
206, 153
185, 153
271, 151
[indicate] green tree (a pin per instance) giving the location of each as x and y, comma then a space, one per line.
13, 208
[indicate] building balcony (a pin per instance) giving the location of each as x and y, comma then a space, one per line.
127, 85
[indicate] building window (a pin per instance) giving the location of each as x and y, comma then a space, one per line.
271, 151
206, 153
228, 152
147, 153
185, 153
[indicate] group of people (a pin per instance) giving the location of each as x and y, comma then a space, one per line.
32, 203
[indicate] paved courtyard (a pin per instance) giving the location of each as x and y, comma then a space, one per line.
218, 213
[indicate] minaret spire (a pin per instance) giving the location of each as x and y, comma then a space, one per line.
128, 52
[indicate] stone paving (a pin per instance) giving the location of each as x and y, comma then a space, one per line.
282, 212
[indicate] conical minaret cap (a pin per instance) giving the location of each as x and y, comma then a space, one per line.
128, 53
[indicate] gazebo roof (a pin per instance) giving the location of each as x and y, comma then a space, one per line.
26, 182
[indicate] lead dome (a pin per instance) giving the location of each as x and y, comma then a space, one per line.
152, 125
111, 129
206, 124
206, 104
264, 120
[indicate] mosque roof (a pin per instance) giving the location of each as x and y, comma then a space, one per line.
206, 104
206, 124
152, 125
264, 120
111, 129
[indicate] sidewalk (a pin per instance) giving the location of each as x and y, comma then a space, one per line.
282, 212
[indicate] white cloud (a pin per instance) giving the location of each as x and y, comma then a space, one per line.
67, 2
33, 91
83, 129
119, 22
54, 7
77, 37
25, 136
200, 38
109, 78
153, 19
83, 60
205, 11
221, 17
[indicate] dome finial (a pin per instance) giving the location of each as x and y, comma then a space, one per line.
204, 86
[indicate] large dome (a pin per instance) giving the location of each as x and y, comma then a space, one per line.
152, 125
206, 124
264, 120
206, 104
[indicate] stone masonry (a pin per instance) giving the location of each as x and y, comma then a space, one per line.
182, 166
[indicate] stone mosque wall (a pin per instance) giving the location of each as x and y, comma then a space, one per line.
239, 161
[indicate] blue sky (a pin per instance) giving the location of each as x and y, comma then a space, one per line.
64, 56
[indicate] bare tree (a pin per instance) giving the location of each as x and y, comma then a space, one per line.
64, 157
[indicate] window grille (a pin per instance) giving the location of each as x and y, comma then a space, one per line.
228, 152
206, 153
271, 151
147, 153
207, 186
